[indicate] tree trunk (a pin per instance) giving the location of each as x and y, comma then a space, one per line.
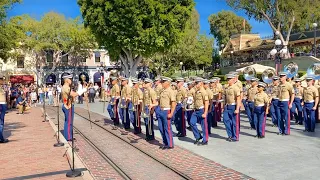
129, 63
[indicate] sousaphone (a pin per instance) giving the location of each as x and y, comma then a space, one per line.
267, 75
314, 70
249, 73
291, 69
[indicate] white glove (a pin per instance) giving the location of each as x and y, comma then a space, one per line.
81, 91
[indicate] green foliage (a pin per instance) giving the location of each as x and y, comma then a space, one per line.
142, 27
227, 23
4, 6
282, 15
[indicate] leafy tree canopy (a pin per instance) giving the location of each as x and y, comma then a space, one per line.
225, 24
130, 29
4, 6
282, 15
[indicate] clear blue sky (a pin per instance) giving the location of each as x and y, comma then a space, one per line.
69, 8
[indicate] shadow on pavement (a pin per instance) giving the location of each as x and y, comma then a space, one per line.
44, 174
9, 128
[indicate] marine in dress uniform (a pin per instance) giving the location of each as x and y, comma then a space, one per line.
245, 94
137, 97
201, 105
68, 96
252, 91
179, 115
3, 106
311, 99
261, 107
238, 83
220, 105
149, 102
114, 101
158, 89
286, 97
216, 97
210, 108
296, 105
125, 103
167, 103
190, 102
274, 107
231, 109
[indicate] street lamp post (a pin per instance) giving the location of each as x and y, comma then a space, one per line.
181, 63
315, 42
277, 51
221, 51
101, 71
232, 58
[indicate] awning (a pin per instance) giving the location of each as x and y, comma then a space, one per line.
22, 79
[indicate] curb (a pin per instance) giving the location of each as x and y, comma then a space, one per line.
77, 161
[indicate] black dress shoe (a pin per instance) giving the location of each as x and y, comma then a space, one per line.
150, 139
4, 141
179, 134
203, 143
229, 139
256, 136
261, 137
279, 134
197, 141
162, 147
189, 127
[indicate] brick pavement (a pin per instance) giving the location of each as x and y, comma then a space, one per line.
30, 153
183, 160
133, 162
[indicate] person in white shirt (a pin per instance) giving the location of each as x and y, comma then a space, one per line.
3, 107
96, 88
50, 95
34, 98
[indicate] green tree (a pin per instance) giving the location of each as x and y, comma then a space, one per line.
282, 15
8, 31
132, 29
53, 35
224, 24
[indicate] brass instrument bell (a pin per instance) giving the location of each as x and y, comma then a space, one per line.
314, 70
249, 73
267, 75
291, 69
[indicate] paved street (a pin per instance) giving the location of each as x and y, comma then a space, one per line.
30, 153
275, 157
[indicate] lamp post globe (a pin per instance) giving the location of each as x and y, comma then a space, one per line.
278, 42
277, 33
314, 25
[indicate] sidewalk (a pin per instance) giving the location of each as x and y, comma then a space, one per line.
30, 153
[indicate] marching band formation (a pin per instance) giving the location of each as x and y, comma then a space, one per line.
202, 101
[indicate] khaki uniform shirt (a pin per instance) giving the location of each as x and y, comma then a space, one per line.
199, 98
261, 99
209, 93
149, 96
231, 94
239, 85
191, 92
137, 96
252, 91
158, 90
126, 92
166, 97
245, 91
298, 92
65, 91
310, 93
114, 90
275, 92
3, 98
181, 94
285, 91
219, 86
215, 93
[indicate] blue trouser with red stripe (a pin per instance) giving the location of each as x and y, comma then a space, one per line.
275, 111
3, 113
297, 105
68, 122
309, 116
284, 120
249, 111
165, 128
197, 116
113, 106
149, 124
230, 120
259, 117
179, 118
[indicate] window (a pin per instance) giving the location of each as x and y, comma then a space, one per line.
49, 55
97, 57
64, 57
20, 62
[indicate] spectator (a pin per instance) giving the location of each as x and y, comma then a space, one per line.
50, 95
96, 88
41, 94
92, 93
33, 98
21, 104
